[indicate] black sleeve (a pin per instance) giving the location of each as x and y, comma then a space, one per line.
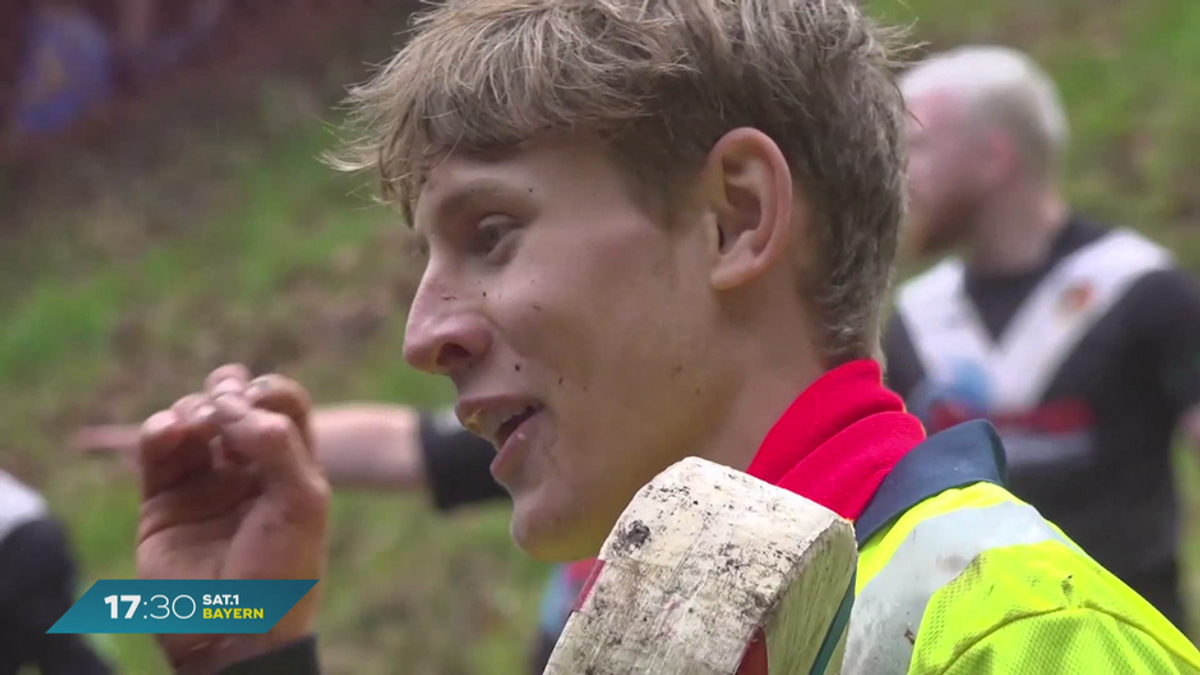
1166, 320
457, 464
297, 658
37, 586
902, 367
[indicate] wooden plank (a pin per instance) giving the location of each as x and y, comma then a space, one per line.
704, 563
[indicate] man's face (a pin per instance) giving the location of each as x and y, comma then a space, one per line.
566, 314
944, 173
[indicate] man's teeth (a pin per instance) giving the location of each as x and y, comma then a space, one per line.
528, 411
510, 425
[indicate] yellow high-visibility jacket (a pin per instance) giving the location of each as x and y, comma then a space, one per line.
956, 576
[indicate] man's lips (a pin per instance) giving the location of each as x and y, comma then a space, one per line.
496, 418
513, 441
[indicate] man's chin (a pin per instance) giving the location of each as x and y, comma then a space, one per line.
549, 537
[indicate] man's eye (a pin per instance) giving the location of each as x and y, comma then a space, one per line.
493, 230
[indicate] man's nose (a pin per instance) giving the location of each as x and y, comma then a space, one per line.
445, 336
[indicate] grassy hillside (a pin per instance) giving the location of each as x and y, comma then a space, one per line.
128, 269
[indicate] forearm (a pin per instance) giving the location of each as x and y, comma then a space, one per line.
359, 445
369, 445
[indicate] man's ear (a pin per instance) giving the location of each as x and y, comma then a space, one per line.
1003, 156
749, 190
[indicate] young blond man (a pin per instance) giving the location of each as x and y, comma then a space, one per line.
655, 230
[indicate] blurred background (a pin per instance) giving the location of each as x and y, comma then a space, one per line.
163, 211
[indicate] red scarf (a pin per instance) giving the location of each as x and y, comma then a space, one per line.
834, 445
839, 439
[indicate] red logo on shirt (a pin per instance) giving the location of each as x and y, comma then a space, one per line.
1077, 298
1057, 417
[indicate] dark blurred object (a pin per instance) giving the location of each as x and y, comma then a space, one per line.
153, 37
37, 586
14, 15
60, 66
70, 68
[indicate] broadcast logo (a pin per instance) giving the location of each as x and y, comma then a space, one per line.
183, 606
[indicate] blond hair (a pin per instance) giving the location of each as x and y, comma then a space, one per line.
662, 81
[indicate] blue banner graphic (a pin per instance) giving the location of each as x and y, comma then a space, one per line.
144, 606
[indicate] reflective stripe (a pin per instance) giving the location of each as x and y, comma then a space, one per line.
18, 504
887, 613
946, 330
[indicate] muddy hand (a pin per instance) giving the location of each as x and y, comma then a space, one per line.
231, 491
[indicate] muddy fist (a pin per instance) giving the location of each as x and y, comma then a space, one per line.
231, 490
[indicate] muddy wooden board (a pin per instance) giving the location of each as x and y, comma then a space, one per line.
711, 571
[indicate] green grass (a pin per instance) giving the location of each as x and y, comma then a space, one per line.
239, 245
448, 594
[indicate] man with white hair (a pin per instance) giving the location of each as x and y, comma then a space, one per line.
1081, 343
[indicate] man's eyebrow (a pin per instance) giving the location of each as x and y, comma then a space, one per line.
456, 199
